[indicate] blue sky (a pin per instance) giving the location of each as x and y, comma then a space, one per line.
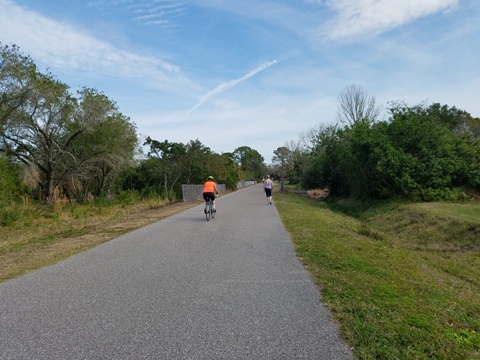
251, 73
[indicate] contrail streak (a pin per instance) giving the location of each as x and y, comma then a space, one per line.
230, 84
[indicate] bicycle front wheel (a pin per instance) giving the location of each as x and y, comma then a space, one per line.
213, 212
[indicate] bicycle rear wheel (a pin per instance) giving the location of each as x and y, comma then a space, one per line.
207, 214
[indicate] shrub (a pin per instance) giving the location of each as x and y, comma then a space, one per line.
8, 216
127, 197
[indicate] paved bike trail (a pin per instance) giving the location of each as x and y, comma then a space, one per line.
181, 288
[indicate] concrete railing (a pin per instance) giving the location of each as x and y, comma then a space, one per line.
194, 192
242, 184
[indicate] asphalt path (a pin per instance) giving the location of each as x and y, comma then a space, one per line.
181, 288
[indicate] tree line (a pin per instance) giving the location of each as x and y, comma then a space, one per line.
424, 152
168, 165
55, 143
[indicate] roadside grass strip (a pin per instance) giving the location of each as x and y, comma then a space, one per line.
399, 289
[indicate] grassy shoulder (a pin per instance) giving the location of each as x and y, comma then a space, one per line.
402, 280
42, 236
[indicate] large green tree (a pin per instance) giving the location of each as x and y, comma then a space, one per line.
102, 149
250, 161
225, 170
198, 158
168, 163
17, 72
68, 140
281, 158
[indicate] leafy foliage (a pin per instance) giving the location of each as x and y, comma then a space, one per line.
421, 152
77, 144
10, 188
169, 165
250, 161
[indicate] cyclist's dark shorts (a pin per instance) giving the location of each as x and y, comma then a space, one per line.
208, 195
268, 192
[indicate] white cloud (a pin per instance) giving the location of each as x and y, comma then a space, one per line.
165, 15
360, 17
230, 84
63, 47
161, 13
263, 119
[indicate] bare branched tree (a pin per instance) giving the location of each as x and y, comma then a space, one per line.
354, 105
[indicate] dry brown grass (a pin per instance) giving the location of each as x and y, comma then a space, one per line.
45, 236
318, 194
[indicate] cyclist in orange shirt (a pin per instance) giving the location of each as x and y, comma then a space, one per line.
209, 191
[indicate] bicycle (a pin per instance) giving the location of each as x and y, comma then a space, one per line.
210, 211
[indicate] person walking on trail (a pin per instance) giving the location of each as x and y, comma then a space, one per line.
268, 185
209, 192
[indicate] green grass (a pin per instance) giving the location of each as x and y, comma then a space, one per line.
402, 280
